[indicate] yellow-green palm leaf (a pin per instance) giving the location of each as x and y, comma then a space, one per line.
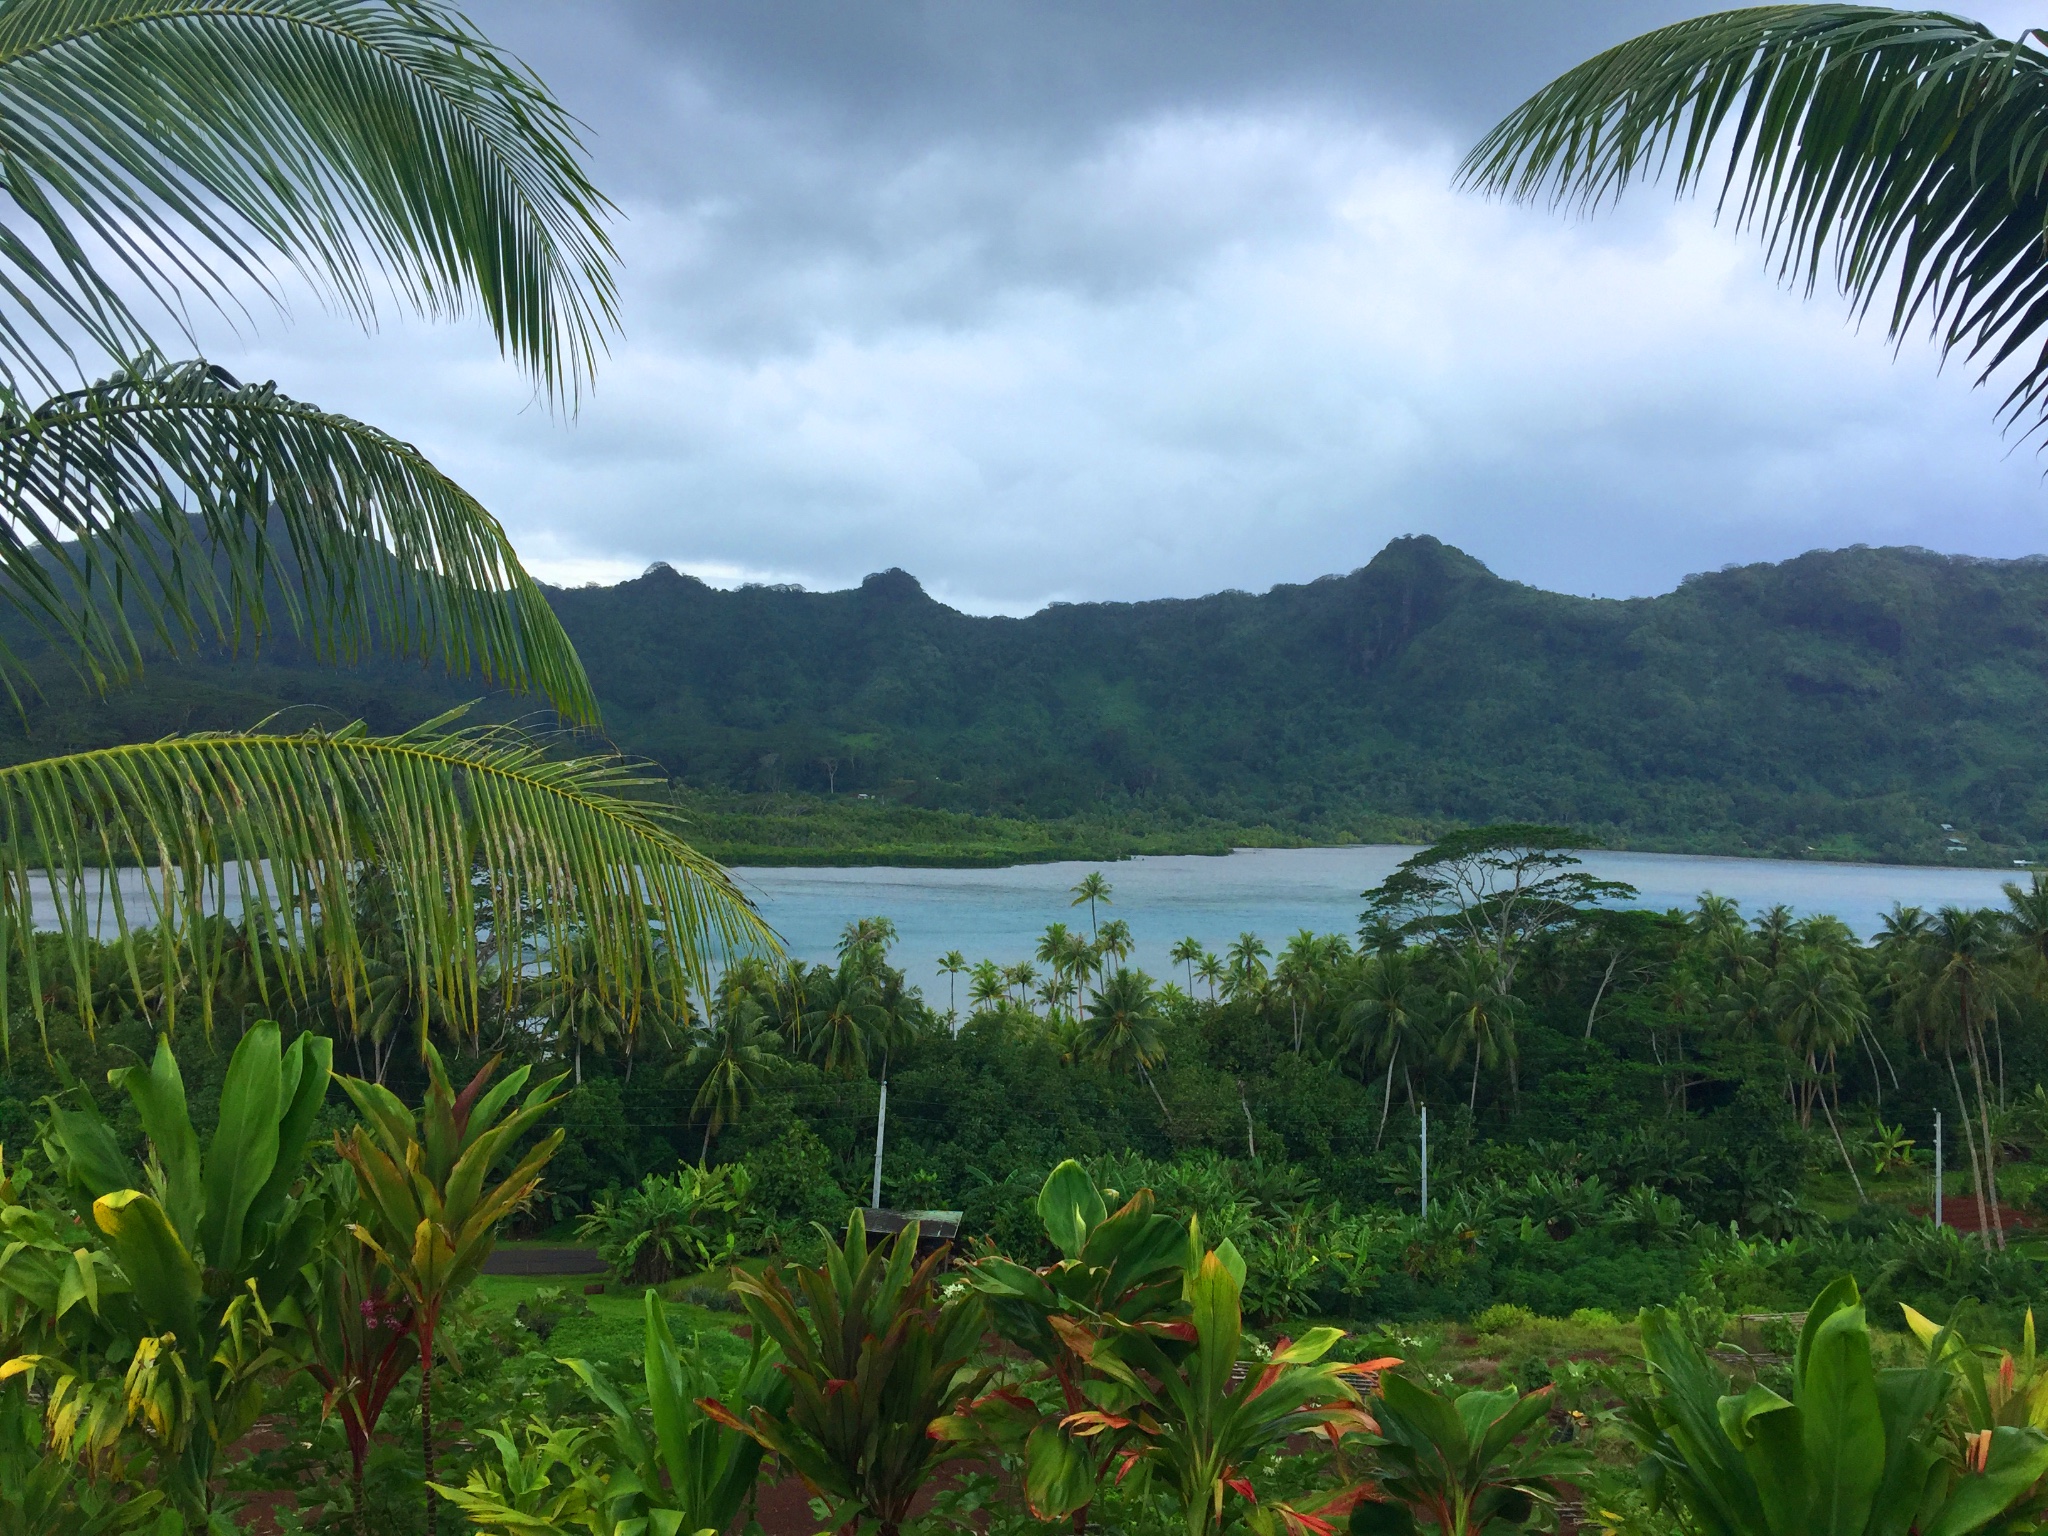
190, 149
589, 847
171, 504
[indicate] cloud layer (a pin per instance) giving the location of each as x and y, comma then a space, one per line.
1119, 302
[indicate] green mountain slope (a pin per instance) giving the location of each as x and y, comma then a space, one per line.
1846, 702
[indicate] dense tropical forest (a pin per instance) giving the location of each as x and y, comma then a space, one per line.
1860, 703
1707, 1111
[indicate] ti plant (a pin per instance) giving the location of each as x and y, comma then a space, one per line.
1121, 1268
692, 1473
1187, 1415
164, 1321
1465, 1462
360, 1345
429, 1205
879, 1358
1856, 1451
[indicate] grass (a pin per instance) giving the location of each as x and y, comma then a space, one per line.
608, 1329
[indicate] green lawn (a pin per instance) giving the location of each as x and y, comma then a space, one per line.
607, 1329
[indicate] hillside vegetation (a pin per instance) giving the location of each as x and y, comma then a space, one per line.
1842, 704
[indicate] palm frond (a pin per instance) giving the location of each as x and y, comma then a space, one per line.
1909, 149
198, 143
179, 500
474, 829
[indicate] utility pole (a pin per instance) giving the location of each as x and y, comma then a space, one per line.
881, 1121
1937, 1168
1425, 1161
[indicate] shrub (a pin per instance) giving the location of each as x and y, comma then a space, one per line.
691, 1219
546, 1310
791, 1182
1594, 1317
1504, 1317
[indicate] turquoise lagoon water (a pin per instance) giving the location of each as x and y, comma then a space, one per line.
998, 913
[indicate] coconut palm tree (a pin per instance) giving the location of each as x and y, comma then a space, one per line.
1386, 1021
1477, 1017
1064, 952
1186, 953
951, 964
1019, 978
1818, 1007
1112, 946
843, 1018
166, 158
2026, 921
1092, 889
866, 941
1958, 987
1903, 148
739, 1054
986, 984
1123, 1028
1210, 969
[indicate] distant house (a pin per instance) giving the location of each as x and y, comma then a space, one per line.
934, 1228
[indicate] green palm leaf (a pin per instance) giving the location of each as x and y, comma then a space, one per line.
1911, 147
201, 144
285, 824
173, 497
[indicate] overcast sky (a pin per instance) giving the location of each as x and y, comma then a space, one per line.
1116, 300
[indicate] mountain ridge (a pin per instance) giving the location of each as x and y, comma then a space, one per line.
1844, 703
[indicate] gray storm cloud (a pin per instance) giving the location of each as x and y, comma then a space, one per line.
1116, 301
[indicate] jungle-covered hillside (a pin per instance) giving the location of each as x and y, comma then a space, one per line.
1845, 703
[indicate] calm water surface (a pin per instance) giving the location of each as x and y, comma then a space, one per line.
998, 913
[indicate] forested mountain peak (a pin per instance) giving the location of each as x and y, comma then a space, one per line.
1846, 702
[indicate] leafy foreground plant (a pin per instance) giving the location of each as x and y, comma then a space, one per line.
1179, 1411
360, 1344
692, 1473
1856, 1450
879, 1358
45, 1495
1464, 1461
163, 1322
431, 1211
1125, 1269
670, 1224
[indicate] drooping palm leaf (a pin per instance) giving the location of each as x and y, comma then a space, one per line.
1909, 147
283, 825
201, 144
172, 494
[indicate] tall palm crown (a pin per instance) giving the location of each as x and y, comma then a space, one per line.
738, 1054
1123, 1023
1903, 148
1091, 889
161, 157
843, 1018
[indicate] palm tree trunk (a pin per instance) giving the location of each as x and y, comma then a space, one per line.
1594, 1012
1387, 1103
1970, 1141
1998, 1034
1870, 1040
579, 1061
1472, 1102
1164, 1117
1990, 1142
1847, 1161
